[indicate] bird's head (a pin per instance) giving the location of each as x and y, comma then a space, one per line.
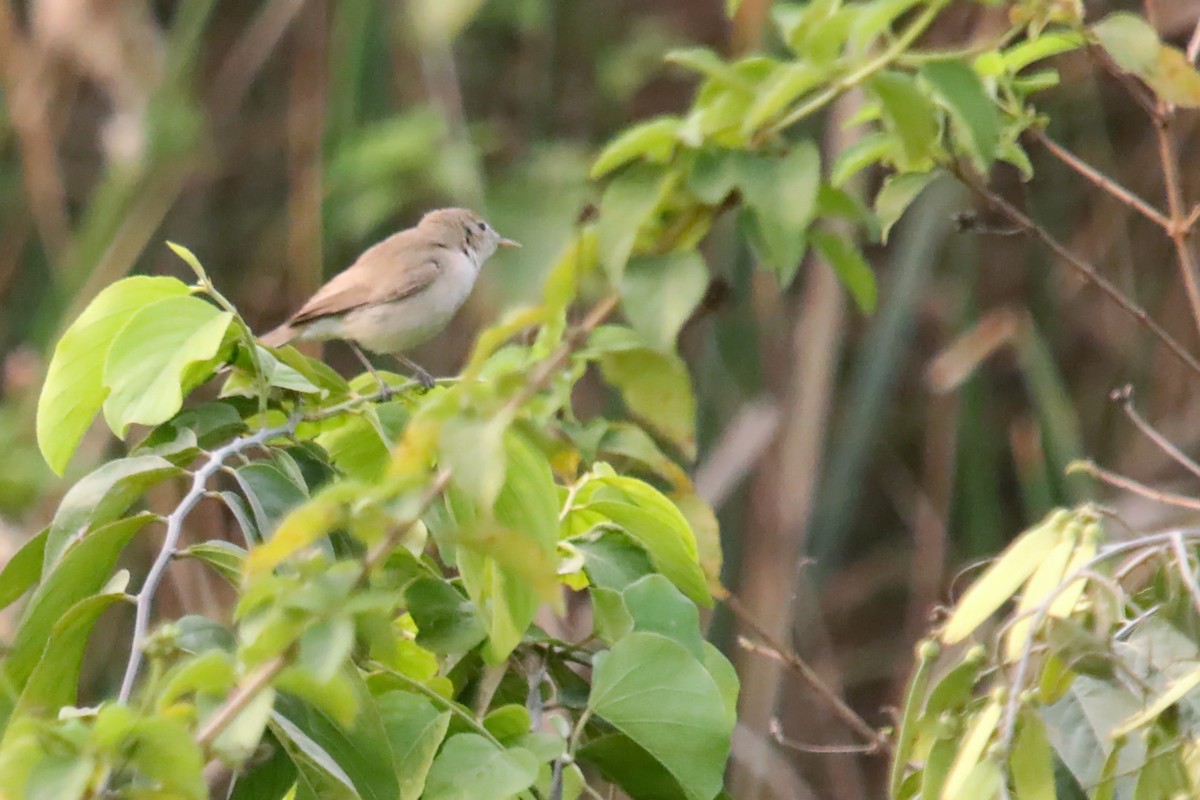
462, 228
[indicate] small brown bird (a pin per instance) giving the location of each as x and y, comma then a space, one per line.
400, 292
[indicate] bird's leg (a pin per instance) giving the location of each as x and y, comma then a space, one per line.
385, 391
424, 378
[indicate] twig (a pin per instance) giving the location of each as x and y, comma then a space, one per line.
1124, 396
1130, 485
1193, 48
1101, 180
145, 597
773, 649
835, 90
1169, 156
246, 691
782, 740
1081, 267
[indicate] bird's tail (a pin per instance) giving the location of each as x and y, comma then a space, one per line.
279, 337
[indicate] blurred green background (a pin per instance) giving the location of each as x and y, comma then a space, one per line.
856, 463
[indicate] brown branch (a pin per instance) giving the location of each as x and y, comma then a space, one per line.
1084, 269
1124, 396
246, 691
1130, 485
775, 650
1189, 271
1101, 180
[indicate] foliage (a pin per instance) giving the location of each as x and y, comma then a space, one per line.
399, 547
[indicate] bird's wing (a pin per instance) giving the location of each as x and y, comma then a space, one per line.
391, 270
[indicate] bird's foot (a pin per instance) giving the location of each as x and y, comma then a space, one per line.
424, 378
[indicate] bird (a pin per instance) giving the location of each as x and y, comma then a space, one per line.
400, 292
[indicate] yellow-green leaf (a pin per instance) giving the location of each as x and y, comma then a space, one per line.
74, 392
1002, 579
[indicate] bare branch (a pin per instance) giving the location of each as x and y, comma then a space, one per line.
1124, 396
1101, 180
1084, 269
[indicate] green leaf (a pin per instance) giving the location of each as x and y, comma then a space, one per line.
868, 150
508, 572
73, 392
473, 450
23, 569
270, 493
83, 569
784, 86
655, 386
415, 730
974, 113
656, 693
851, 268
508, 722
625, 763
59, 776
659, 294
612, 559
708, 64
1031, 761
361, 751
159, 748
1131, 42
656, 606
656, 524
54, 680
1049, 44
446, 621
147, 366
101, 497
628, 202
910, 115
269, 778
325, 646
896, 195
225, 557
782, 196
1000, 581
470, 767
714, 174
653, 140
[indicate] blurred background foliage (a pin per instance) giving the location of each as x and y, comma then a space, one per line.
277, 138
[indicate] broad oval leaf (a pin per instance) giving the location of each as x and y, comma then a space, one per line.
659, 695
659, 293
74, 392
415, 730
851, 268
147, 365
470, 767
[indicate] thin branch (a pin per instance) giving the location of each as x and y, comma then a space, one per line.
1101, 180
1124, 396
1193, 48
1192, 218
1130, 485
246, 691
1084, 269
839, 87
783, 740
1189, 272
145, 597
773, 649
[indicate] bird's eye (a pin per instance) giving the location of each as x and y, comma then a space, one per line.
483, 226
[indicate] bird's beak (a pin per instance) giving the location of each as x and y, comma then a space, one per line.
508, 243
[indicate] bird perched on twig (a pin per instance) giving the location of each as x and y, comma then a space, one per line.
401, 292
